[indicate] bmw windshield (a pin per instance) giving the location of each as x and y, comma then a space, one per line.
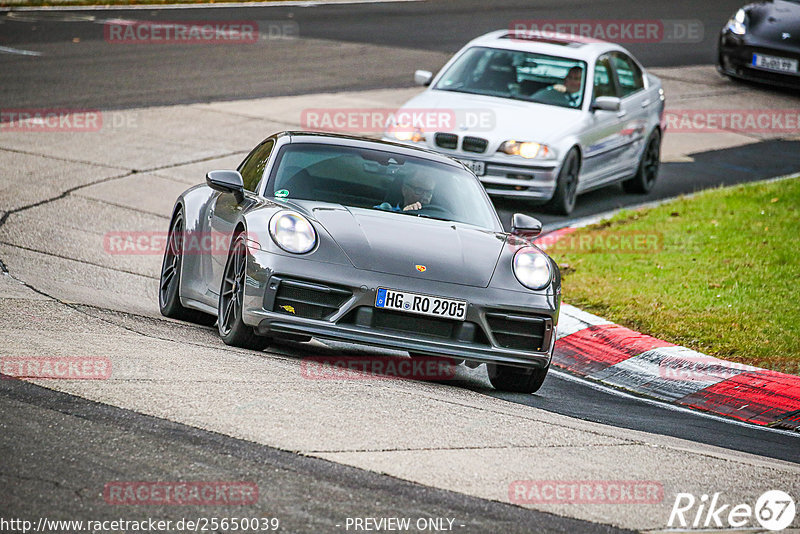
519, 75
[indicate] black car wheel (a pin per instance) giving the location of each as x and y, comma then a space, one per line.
563, 201
232, 328
516, 379
169, 301
645, 177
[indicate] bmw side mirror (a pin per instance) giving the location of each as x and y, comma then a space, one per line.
525, 225
606, 103
227, 182
423, 77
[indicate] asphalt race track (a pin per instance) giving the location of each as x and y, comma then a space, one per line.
357, 40
189, 408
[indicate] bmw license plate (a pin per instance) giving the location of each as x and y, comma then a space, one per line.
391, 299
780, 64
478, 167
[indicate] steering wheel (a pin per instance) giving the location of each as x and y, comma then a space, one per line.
434, 211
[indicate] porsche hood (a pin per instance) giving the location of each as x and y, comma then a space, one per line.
417, 247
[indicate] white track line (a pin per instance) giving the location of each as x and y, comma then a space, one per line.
149, 7
673, 407
8, 50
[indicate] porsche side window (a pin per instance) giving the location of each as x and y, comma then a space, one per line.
629, 75
603, 84
252, 169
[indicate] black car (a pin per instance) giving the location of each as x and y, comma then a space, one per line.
761, 43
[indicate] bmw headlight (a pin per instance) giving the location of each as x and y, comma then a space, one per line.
405, 132
292, 232
532, 268
399, 128
527, 149
738, 22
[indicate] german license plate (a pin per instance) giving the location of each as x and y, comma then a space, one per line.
392, 299
478, 167
780, 64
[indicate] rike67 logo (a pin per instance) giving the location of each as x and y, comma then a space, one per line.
774, 510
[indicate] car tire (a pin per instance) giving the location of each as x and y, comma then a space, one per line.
563, 201
647, 172
516, 379
169, 300
232, 328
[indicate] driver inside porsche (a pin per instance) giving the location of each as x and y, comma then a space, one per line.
416, 192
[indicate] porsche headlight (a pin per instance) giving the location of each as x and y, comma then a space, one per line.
738, 22
532, 268
527, 149
292, 232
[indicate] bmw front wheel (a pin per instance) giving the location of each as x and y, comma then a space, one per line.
563, 201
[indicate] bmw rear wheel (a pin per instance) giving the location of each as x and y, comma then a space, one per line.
645, 177
169, 300
232, 328
516, 379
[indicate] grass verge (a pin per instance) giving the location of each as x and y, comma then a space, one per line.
718, 272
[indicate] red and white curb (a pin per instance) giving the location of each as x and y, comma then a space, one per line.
599, 350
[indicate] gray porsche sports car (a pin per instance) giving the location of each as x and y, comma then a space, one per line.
362, 241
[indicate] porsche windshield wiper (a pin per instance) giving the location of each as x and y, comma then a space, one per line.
430, 217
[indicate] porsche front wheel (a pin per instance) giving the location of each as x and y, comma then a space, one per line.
232, 328
516, 379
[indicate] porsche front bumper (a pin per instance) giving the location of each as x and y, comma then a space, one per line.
293, 295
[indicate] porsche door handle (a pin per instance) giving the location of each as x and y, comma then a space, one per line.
645, 103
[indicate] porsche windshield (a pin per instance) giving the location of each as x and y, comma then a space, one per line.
380, 180
556, 81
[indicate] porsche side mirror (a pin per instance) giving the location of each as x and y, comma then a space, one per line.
525, 225
606, 103
423, 77
227, 182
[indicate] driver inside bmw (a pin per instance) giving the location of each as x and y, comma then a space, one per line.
417, 191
